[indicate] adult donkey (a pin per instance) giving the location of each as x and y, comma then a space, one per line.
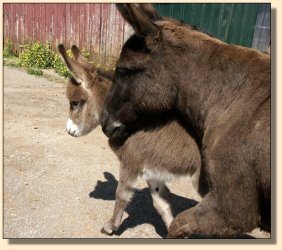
223, 92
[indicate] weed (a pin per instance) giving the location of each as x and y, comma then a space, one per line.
37, 55
34, 71
8, 49
12, 61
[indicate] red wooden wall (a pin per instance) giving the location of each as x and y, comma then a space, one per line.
99, 28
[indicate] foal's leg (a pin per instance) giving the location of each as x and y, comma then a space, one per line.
160, 195
123, 196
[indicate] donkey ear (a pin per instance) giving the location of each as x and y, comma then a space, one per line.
67, 60
149, 10
81, 59
140, 18
79, 73
106, 74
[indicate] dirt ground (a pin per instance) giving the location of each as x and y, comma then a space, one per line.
58, 186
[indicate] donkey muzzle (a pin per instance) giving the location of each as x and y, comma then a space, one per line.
112, 128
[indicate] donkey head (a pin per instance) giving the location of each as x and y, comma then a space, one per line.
86, 91
149, 69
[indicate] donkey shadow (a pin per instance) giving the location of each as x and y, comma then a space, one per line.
140, 209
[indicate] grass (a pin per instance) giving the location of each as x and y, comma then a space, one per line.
12, 61
34, 71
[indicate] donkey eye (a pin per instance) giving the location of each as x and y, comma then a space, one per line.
75, 104
122, 70
127, 71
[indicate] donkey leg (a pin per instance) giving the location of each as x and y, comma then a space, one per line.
215, 218
160, 195
123, 196
196, 222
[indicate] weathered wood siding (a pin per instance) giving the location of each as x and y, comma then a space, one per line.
99, 28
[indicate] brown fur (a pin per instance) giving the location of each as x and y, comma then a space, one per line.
163, 151
223, 92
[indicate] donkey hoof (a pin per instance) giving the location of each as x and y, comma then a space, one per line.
108, 229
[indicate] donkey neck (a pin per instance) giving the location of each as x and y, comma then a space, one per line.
215, 78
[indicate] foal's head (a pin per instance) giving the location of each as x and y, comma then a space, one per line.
86, 91
150, 67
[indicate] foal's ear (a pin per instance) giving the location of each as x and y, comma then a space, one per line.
140, 17
81, 59
79, 72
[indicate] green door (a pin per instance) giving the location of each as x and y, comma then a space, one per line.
232, 23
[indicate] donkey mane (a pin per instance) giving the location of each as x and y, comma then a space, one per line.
185, 24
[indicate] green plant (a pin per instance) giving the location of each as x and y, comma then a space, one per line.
37, 55
34, 71
8, 49
85, 54
12, 61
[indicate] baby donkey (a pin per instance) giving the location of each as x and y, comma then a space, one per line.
158, 154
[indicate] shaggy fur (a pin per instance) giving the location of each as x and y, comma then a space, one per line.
221, 91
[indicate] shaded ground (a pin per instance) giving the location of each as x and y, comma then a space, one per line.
57, 186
